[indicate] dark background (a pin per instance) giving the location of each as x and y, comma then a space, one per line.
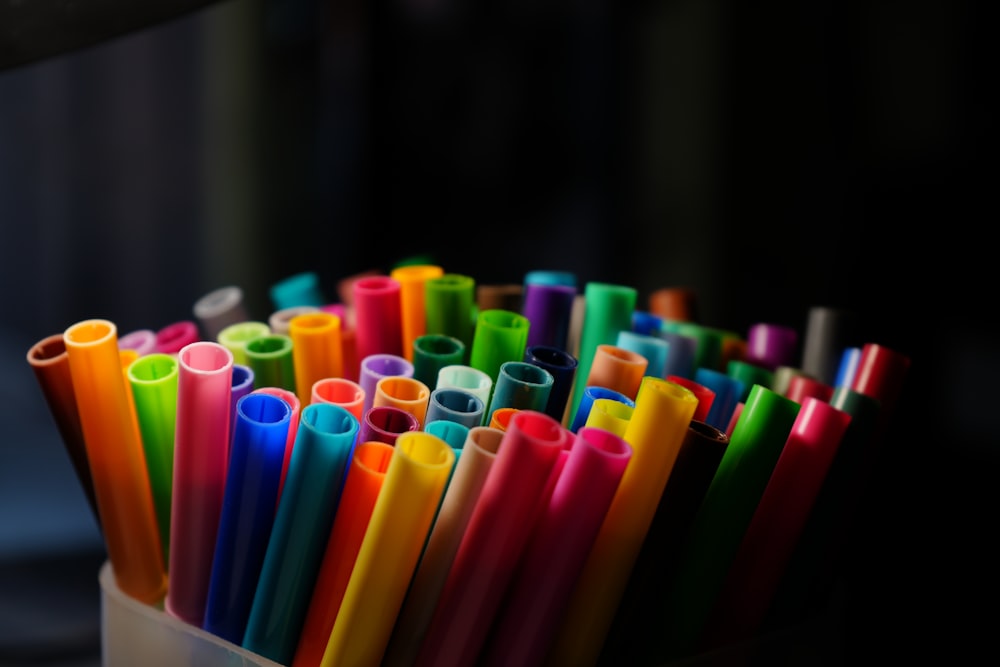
770, 157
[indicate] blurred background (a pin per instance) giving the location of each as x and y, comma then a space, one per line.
771, 158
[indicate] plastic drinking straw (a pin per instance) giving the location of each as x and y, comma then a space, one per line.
749, 374
725, 513
557, 549
173, 337
236, 337
300, 289
607, 310
498, 529
218, 309
733, 347
432, 352
455, 405
377, 316
727, 392
777, 523
576, 325
828, 332
848, 367
705, 396
618, 369
242, 384
634, 634
251, 496
609, 414
781, 377
280, 320
404, 393
377, 366
449, 301
591, 394
772, 345
674, 303
341, 391
117, 464
451, 432
316, 351
143, 341
413, 310
348, 338
468, 378
385, 423
681, 353
708, 351
400, 522
153, 382
503, 297
499, 336
562, 366
550, 277
364, 481
501, 418
646, 323
460, 496
50, 363
201, 448
522, 386
656, 431
549, 309
293, 425
802, 386
652, 348
126, 357
810, 574
270, 358
323, 447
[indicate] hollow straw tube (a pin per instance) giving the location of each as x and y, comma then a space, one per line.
300, 289
323, 446
828, 331
451, 432
293, 425
460, 496
432, 352
724, 514
557, 549
705, 396
377, 366
652, 348
802, 386
500, 336
143, 341
635, 632
709, 342
562, 366
236, 337
270, 358
470, 379
656, 431
316, 351
727, 393
340, 391
501, 417
681, 353
508, 296
767, 545
674, 303
607, 310
848, 367
412, 279
377, 316
618, 369
153, 382
772, 345
218, 309
782, 377
362, 486
280, 320
749, 374
117, 464
173, 337
522, 386
591, 394
404, 393
455, 405
497, 532
549, 309
50, 363
201, 447
400, 522
251, 496
646, 324
449, 300
610, 415
242, 384
385, 423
